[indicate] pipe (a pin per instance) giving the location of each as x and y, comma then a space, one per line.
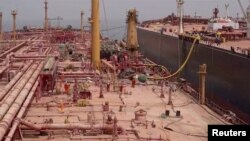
75, 73
34, 56
24, 59
105, 62
3, 69
12, 49
108, 129
78, 77
49, 64
13, 110
10, 85
21, 112
71, 126
14, 93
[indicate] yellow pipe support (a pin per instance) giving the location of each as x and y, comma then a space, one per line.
95, 44
184, 63
106, 63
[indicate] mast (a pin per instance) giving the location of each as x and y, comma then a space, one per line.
46, 16
82, 24
180, 14
14, 13
95, 28
1, 33
132, 41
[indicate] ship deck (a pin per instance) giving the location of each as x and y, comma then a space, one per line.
241, 45
54, 115
191, 125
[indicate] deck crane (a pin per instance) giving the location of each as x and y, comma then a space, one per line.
242, 9
58, 19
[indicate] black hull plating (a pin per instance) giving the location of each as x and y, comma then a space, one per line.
228, 78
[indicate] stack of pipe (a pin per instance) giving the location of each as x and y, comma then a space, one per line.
21, 113
13, 81
15, 100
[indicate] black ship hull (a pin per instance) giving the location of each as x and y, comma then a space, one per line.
228, 78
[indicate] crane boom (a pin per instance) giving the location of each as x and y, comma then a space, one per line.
242, 9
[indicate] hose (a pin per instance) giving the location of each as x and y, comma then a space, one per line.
184, 63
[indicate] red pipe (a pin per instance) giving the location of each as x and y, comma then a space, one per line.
13, 49
71, 126
76, 73
34, 56
3, 69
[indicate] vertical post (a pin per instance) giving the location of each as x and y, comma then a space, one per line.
75, 93
14, 13
101, 88
162, 90
82, 24
40, 89
170, 90
1, 33
115, 134
95, 45
202, 83
46, 16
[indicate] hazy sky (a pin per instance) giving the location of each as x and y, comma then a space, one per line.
32, 11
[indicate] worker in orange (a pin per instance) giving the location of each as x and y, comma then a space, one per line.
108, 86
133, 81
62, 80
66, 88
121, 87
61, 106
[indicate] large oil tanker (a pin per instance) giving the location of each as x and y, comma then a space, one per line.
227, 57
